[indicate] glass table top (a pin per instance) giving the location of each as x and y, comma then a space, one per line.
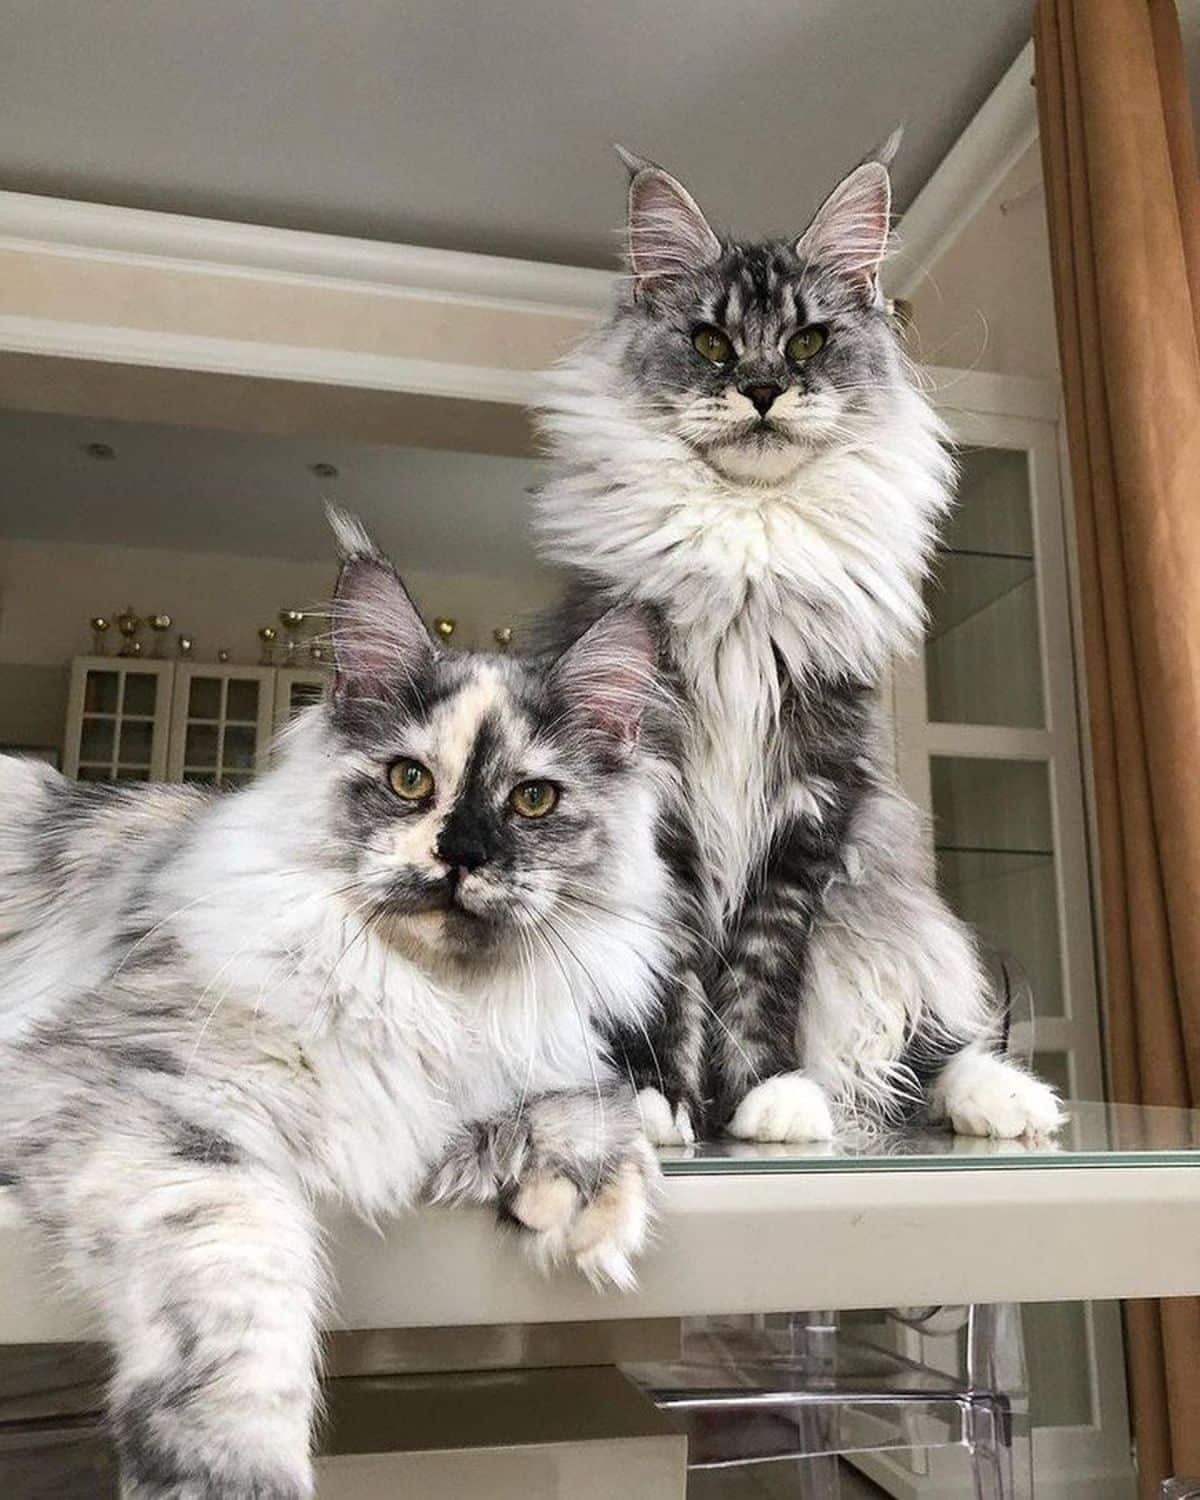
1095, 1135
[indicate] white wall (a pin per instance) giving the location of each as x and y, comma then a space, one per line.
49, 592
988, 302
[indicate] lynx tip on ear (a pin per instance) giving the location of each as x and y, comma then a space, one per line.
886, 152
632, 161
349, 533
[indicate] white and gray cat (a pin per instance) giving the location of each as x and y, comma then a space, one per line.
744, 446
364, 977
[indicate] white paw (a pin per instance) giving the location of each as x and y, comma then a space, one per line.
984, 1095
603, 1234
662, 1125
788, 1107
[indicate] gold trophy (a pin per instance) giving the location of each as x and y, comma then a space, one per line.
268, 635
101, 625
445, 627
159, 624
502, 635
292, 621
129, 624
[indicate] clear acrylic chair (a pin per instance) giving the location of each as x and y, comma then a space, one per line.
813, 1386
1179, 1489
804, 1386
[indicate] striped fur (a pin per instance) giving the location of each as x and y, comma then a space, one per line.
784, 546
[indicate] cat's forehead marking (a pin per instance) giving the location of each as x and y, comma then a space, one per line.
455, 725
755, 294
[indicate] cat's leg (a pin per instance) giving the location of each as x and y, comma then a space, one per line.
663, 1054
206, 1272
571, 1170
895, 1000
663, 1058
761, 1092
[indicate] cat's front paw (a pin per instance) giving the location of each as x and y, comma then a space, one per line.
664, 1123
984, 1095
601, 1226
788, 1107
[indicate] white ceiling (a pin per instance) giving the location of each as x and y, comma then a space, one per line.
191, 490
460, 124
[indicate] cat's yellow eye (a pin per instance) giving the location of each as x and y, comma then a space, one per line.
533, 799
411, 780
805, 344
713, 344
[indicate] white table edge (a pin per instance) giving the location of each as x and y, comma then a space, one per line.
741, 1242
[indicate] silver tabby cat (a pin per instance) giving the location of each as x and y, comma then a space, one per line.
364, 976
744, 446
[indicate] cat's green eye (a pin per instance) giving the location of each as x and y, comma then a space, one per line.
713, 344
411, 780
533, 799
805, 344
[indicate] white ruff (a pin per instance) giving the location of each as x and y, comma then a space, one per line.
821, 568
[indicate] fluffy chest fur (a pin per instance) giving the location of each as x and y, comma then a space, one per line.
810, 580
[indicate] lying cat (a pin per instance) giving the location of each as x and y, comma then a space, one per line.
363, 974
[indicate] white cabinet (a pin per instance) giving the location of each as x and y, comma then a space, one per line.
222, 718
118, 719
296, 688
130, 719
987, 742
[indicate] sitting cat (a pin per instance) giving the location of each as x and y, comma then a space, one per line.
361, 975
744, 446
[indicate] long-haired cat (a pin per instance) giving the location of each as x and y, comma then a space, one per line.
362, 975
744, 446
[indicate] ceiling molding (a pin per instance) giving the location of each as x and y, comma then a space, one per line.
61, 226
991, 145
97, 233
1000, 133
246, 357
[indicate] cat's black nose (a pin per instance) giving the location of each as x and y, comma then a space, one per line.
762, 395
461, 851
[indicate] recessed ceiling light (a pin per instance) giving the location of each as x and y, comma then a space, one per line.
99, 450
324, 471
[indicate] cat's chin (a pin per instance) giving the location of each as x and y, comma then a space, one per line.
443, 937
754, 462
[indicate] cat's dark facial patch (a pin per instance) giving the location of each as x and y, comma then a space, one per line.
434, 745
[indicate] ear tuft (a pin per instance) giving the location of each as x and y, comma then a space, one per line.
668, 234
887, 150
849, 231
611, 672
632, 162
379, 638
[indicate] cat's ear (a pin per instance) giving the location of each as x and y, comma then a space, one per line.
668, 234
611, 672
849, 231
379, 638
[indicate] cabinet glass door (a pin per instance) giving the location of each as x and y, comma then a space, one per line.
117, 719
297, 688
221, 723
987, 743
982, 651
